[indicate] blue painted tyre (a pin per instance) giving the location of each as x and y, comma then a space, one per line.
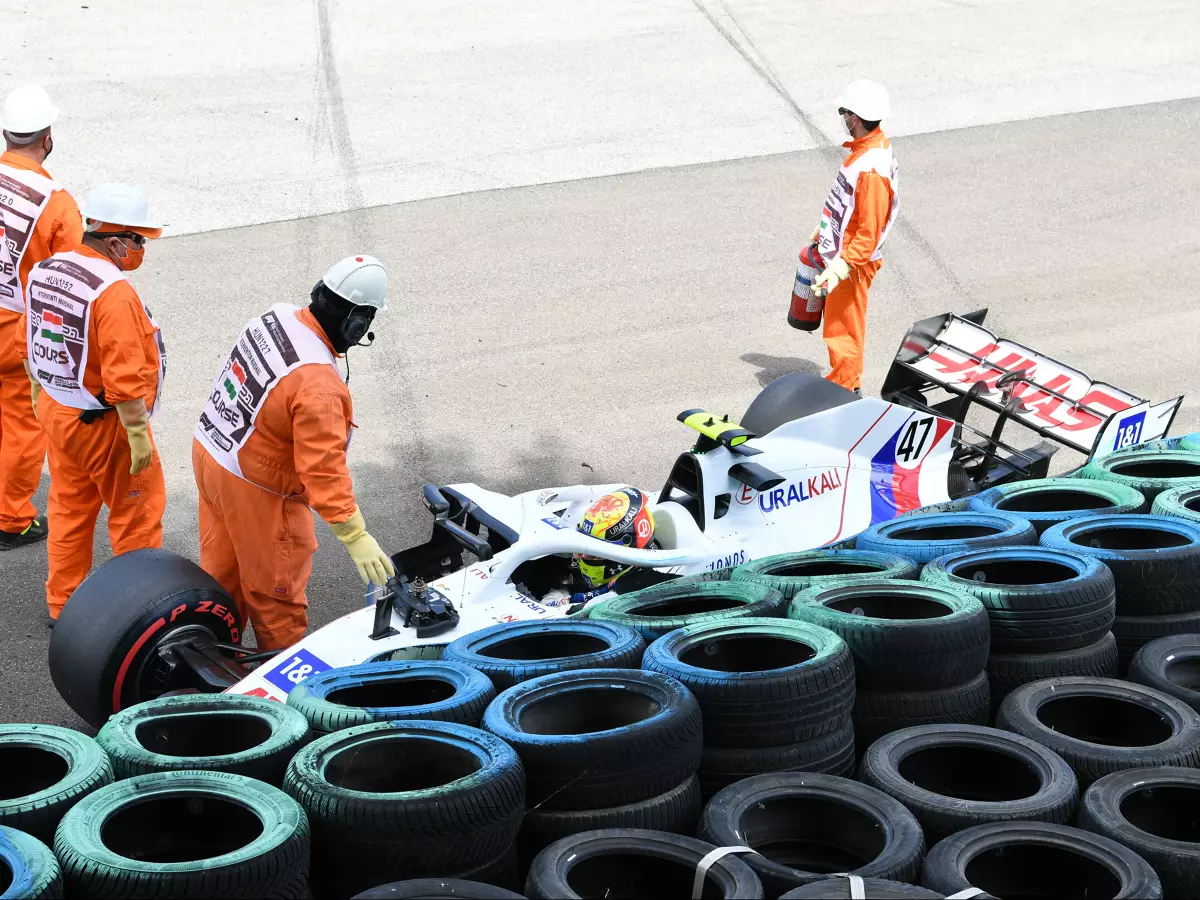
1155, 560
33, 870
1150, 472
386, 691
1181, 502
923, 538
1045, 502
517, 651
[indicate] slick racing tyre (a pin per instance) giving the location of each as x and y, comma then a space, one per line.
205, 732
1183, 503
923, 538
47, 770
1150, 473
656, 610
513, 652
1171, 665
877, 713
33, 871
385, 691
1050, 501
104, 647
790, 573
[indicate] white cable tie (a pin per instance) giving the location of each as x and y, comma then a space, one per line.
967, 894
706, 863
858, 888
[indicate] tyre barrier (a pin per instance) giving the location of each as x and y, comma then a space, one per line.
437, 888
1038, 859
1008, 671
654, 611
830, 754
1153, 813
1150, 472
790, 573
927, 537
47, 770
33, 870
234, 733
837, 888
806, 827
953, 777
1046, 502
407, 799
1171, 665
513, 652
1132, 633
1190, 442
1101, 725
186, 835
877, 713
386, 691
1180, 502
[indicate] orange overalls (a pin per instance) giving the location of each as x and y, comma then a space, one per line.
257, 537
22, 441
89, 462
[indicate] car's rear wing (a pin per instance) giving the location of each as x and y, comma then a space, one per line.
958, 355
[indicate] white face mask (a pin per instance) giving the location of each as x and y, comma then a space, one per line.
846, 126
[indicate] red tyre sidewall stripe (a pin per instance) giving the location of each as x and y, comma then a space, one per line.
123, 671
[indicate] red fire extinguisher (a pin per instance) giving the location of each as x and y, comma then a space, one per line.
806, 309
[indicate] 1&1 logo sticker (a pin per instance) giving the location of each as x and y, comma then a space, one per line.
297, 667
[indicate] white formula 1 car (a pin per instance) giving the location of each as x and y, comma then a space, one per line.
810, 464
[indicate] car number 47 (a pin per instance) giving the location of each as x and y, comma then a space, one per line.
913, 439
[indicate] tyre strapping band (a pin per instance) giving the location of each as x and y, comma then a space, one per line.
124, 670
966, 894
706, 863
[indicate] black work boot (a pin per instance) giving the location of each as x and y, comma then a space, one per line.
35, 533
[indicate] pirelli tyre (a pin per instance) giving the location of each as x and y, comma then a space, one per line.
1154, 560
32, 870
843, 887
632, 862
1153, 813
805, 827
889, 624
599, 738
513, 652
1037, 859
1135, 632
104, 647
830, 754
1151, 472
953, 777
790, 573
1171, 665
1181, 502
406, 798
656, 610
47, 770
1038, 600
437, 888
187, 835
385, 691
877, 713
760, 682
1046, 502
1008, 671
1101, 725
923, 538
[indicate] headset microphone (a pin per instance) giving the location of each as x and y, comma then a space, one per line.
368, 342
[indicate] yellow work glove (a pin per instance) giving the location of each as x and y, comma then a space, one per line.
373, 564
136, 423
835, 273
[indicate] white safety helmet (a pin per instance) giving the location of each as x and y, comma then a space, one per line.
360, 280
27, 110
866, 99
118, 205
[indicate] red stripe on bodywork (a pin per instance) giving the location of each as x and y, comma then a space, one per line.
846, 477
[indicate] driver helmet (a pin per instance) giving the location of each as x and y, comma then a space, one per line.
621, 517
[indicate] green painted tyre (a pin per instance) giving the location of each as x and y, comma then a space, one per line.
1181, 502
1046, 502
790, 573
656, 610
1151, 472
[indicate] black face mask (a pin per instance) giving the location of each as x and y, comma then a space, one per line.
343, 323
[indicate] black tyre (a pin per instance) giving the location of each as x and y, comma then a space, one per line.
47, 770
1170, 665
760, 682
1150, 472
830, 754
903, 635
1155, 560
1038, 859
1153, 813
185, 834
807, 827
656, 610
1046, 502
877, 713
633, 863
676, 812
842, 886
1182, 502
215, 733
433, 888
923, 538
1101, 725
1007, 672
386, 691
405, 799
33, 871
1037, 600
953, 777
790, 573
517, 651
1135, 632
103, 650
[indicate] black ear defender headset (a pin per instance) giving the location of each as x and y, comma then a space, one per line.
355, 326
